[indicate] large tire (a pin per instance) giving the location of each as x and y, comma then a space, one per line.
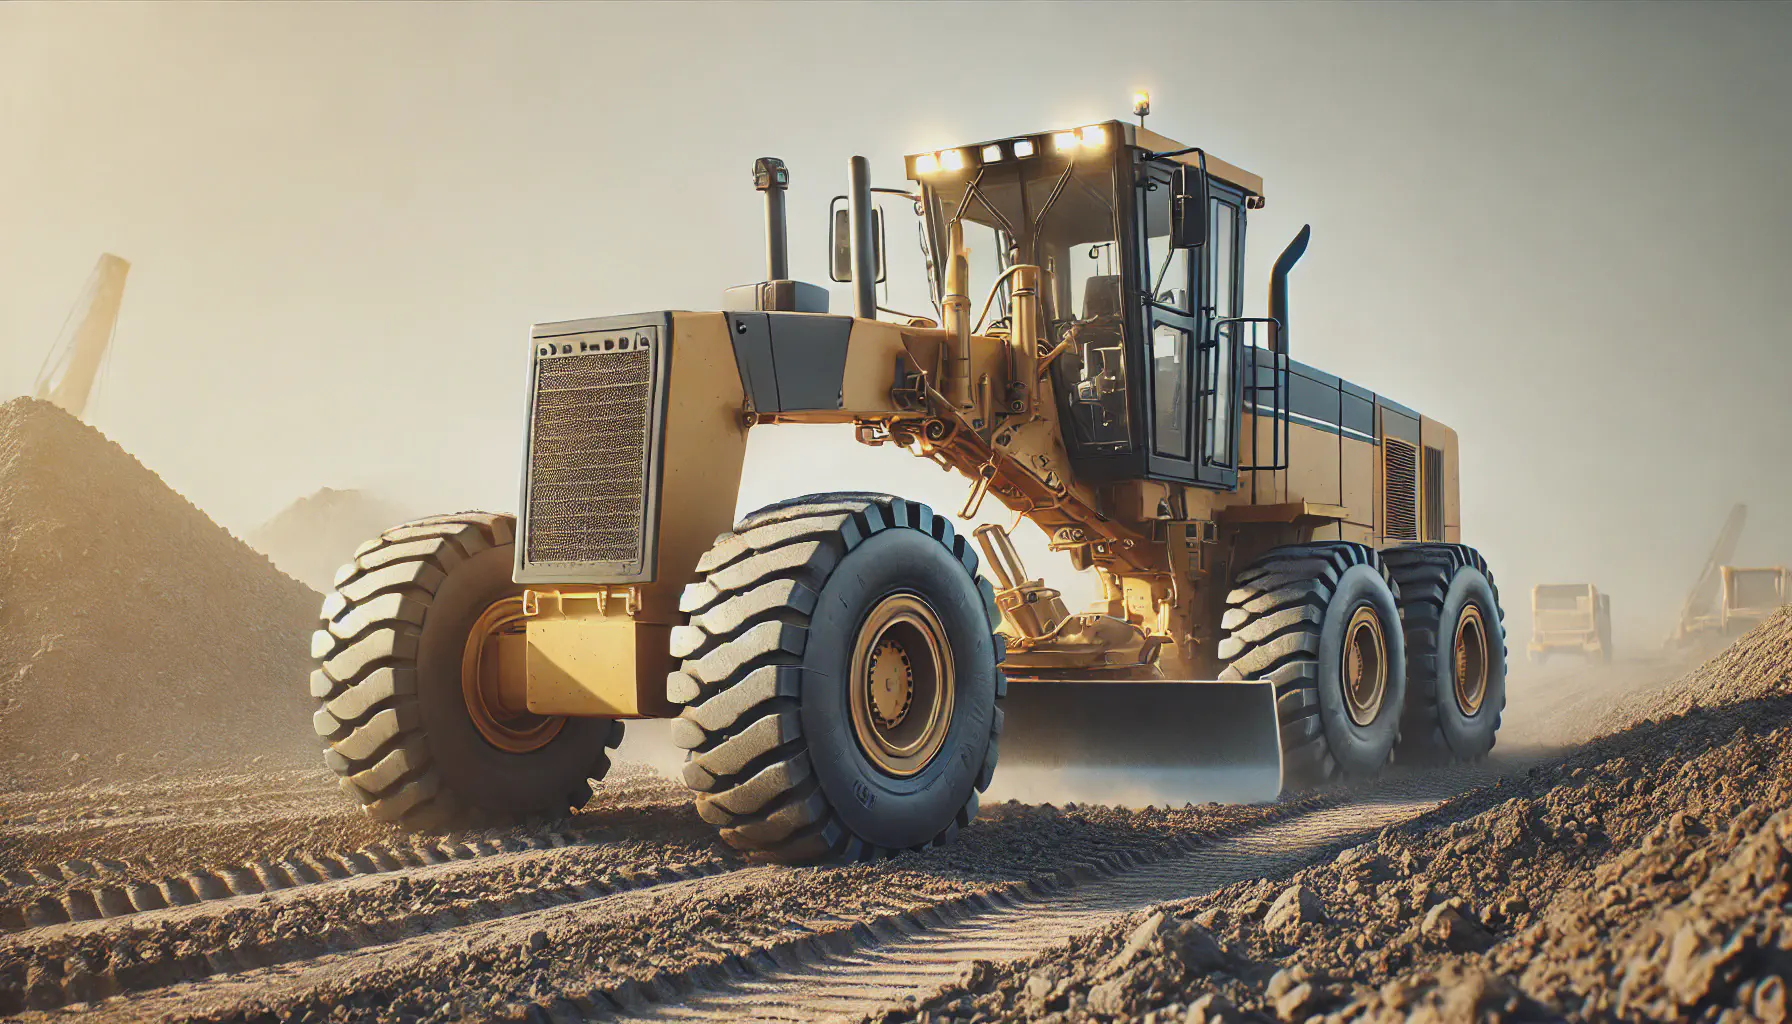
777, 761
395, 723
1291, 618
1442, 586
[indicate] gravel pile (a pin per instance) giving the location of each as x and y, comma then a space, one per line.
134, 632
1648, 877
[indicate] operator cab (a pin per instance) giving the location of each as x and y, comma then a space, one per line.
1140, 292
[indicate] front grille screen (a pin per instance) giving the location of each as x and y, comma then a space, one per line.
590, 446
1400, 471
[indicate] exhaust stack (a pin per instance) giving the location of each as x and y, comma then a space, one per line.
770, 177
777, 293
864, 257
1278, 284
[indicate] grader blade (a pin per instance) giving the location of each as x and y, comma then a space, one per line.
1165, 742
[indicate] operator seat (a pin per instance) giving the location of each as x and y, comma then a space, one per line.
1098, 334
1098, 394
1101, 296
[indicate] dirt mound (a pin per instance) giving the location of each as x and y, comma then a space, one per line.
310, 538
134, 631
1648, 877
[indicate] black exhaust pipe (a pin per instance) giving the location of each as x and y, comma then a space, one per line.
1278, 284
864, 257
770, 177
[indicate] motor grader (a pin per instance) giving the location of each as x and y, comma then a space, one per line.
1284, 591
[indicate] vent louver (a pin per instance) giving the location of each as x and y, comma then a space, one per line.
1434, 493
1400, 494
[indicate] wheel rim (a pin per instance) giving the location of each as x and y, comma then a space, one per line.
902, 685
1472, 664
1365, 665
493, 687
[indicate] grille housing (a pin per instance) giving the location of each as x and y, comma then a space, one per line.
591, 479
1400, 489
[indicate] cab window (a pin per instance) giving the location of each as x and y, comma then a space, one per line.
1222, 262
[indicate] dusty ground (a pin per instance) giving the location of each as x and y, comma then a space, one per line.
480, 952
1645, 877
235, 896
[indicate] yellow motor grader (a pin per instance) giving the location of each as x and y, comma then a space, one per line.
1284, 591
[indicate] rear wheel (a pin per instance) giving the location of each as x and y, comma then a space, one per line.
839, 676
420, 686
1320, 621
1456, 652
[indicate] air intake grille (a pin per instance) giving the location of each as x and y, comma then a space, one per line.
589, 487
1400, 498
1434, 493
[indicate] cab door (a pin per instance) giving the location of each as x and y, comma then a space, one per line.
1173, 331
1218, 387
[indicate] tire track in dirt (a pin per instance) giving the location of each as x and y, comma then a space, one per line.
371, 968
121, 896
128, 848
845, 976
245, 932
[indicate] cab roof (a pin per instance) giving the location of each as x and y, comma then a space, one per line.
1129, 135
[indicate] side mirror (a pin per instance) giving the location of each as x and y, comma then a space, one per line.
840, 241
1189, 205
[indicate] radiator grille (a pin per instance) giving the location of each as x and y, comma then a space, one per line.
1434, 493
1400, 494
590, 448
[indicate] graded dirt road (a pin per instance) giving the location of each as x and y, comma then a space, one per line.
235, 896
262, 895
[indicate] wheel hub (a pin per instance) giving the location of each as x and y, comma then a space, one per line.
901, 687
492, 682
892, 684
1472, 663
1365, 666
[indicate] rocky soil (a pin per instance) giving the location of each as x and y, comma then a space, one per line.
1645, 877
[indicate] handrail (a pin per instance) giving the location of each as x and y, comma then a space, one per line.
1279, 388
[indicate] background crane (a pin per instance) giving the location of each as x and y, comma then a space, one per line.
74, 363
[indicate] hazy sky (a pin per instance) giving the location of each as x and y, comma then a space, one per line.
1563, 229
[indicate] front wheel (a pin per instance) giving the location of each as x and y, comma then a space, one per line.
840, 682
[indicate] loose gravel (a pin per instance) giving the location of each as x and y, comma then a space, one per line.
1646, 877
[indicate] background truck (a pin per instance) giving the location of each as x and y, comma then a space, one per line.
1571, 617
